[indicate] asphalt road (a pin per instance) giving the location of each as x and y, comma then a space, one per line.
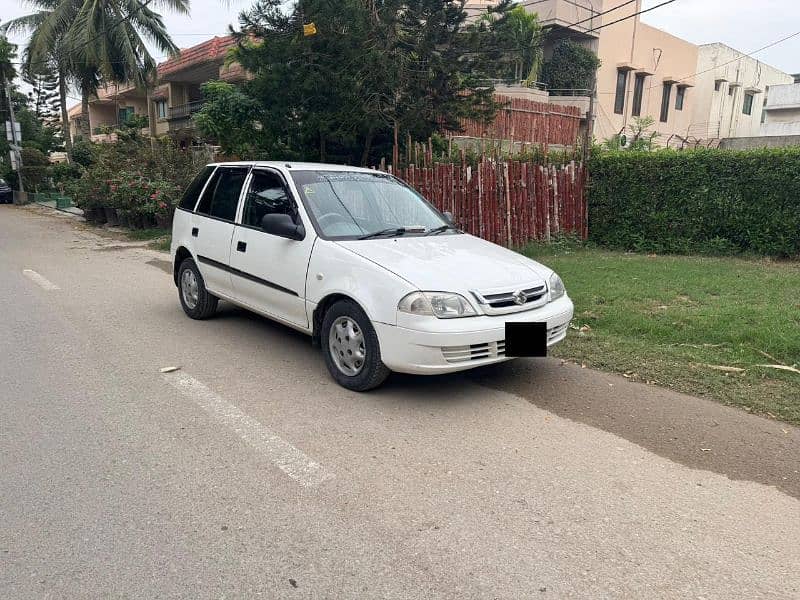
249, 473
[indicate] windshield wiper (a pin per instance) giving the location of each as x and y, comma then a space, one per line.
391, 231
442, 229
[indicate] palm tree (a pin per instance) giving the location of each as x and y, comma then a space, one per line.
91, 42
525, 35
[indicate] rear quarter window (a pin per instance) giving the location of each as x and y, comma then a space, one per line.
192, 193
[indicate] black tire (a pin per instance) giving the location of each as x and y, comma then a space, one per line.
373, 372
206, 304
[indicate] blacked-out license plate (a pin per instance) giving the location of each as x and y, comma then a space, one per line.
526, 339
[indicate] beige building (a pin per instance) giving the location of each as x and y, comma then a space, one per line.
731, 93
645, 72
693, 93
169, 106
782, 111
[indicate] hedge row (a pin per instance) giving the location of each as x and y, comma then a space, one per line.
717, 201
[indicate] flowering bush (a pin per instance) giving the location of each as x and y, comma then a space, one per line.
141, 182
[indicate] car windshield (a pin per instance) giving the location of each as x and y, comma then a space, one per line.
353, 204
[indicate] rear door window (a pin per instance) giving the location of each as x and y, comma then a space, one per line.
222, 193
193, 191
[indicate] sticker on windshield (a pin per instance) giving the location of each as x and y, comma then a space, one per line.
351, 176
308, 190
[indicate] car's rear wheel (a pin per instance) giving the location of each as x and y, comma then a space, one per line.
351, 348
196, 300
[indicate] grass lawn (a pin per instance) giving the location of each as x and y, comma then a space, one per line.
694, 324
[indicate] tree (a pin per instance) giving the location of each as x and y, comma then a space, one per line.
8, 53
375, 71
90, 42
44, 93
106, 43
48, 26
518, 38
572, 68
230, 117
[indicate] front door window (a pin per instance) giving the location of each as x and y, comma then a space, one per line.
266, 195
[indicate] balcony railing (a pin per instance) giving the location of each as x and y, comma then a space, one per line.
185, 110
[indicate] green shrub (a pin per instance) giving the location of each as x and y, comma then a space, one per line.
571, 67
133, 176
63, 173
711, 201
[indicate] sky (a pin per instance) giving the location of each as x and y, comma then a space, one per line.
743, 24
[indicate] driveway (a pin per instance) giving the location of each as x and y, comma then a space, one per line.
249, 473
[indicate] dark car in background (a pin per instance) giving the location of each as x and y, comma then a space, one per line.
6, 196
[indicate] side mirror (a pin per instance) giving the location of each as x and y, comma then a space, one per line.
448, 216
283, 226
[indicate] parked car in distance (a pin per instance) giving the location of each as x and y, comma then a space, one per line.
364, 264
6, 195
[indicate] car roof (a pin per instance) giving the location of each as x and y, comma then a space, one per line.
291, 166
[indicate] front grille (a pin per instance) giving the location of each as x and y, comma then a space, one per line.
457, 354
505, 300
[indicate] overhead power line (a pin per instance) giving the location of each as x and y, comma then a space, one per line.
747, 55
738, 58
636, 14
600, 14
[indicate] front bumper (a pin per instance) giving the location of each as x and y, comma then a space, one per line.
450, 345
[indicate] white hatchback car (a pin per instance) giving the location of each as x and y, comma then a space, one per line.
361, 262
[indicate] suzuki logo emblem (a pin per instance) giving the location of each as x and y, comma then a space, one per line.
520, 297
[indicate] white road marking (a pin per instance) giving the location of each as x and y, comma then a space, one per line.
39, 280
286, 457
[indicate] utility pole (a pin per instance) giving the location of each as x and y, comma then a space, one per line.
14, 141
589, 133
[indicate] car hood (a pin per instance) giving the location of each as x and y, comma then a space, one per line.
452, 263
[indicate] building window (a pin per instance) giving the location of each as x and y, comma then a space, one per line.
717, 85
665, 96
731, 90
747, 106
619, 99
125, 114
161, 109
638, 92
680, 95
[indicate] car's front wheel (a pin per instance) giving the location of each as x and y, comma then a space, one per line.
351, 349
196, 300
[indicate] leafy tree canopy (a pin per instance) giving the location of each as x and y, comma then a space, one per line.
515, 37
375, 69
230, 117
572, 67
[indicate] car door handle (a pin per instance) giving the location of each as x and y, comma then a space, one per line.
195, 231
241, 246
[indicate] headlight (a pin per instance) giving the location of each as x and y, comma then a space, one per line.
439, 304
556, 287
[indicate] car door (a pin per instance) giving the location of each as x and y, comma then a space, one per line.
213, 224
269, 272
